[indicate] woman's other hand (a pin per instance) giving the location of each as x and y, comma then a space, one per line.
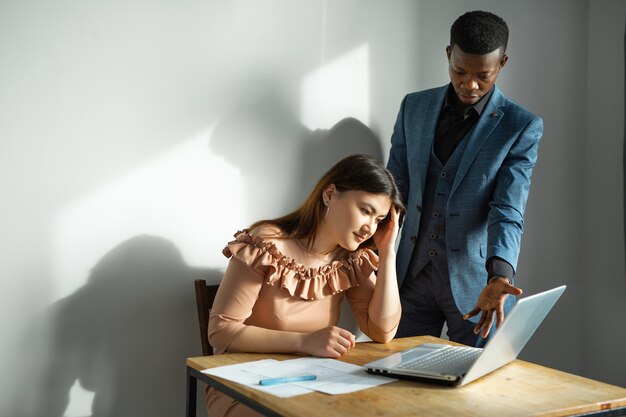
329, 342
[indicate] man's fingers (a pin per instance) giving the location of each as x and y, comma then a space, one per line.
483, 317
492, 305
499, 315
487, 324
510, 289
472, 313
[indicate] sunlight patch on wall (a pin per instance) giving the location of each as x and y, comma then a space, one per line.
187, 195
80, 401
337, 90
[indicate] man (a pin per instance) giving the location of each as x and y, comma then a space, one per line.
462, 155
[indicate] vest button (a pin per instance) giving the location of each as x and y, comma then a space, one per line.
436, 215
431, 253
443, 174
433, 236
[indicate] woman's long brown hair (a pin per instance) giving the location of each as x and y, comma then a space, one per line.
353, 173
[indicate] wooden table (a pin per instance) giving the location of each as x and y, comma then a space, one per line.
517, 389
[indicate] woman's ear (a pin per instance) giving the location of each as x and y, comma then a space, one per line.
328, 193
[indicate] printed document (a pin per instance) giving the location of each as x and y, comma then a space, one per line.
333, 376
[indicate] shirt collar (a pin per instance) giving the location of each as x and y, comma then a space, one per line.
479, 106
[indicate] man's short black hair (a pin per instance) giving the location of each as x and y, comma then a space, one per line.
479, 33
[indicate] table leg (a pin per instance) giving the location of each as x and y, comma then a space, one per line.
192, 384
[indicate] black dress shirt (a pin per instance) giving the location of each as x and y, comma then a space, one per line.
455, 121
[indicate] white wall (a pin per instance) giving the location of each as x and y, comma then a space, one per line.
137, 137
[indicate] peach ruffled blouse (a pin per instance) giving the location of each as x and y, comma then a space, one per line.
264, 288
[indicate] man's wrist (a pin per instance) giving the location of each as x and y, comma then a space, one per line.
499, 268
493, 278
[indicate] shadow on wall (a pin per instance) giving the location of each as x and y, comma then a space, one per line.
281, 158
125, 334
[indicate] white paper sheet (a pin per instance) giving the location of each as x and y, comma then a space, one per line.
333, 376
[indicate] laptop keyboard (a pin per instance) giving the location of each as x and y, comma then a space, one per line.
451, 360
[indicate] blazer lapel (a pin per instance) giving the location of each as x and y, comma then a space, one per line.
489, 119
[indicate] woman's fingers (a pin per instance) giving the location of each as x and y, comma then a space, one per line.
349, 337
330, 342
341, 340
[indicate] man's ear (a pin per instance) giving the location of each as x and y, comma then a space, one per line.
328, 193
504, 60
448, 51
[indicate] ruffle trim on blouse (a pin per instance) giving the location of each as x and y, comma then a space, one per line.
299, 280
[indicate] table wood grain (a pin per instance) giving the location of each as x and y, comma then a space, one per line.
517, 389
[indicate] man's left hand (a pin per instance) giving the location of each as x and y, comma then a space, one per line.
490, 300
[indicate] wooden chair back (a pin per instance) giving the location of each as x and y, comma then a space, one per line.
205, 296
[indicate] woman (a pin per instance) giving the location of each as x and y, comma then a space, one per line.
287, 277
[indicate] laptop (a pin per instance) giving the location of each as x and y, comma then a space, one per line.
457, 365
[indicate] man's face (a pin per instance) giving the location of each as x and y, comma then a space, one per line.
473, 75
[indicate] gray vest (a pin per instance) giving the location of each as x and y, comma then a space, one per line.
431, 242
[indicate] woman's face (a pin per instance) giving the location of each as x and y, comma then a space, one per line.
353, 216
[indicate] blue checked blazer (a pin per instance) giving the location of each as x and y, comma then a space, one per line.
485, 208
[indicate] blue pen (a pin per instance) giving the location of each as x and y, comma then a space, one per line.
286, 380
